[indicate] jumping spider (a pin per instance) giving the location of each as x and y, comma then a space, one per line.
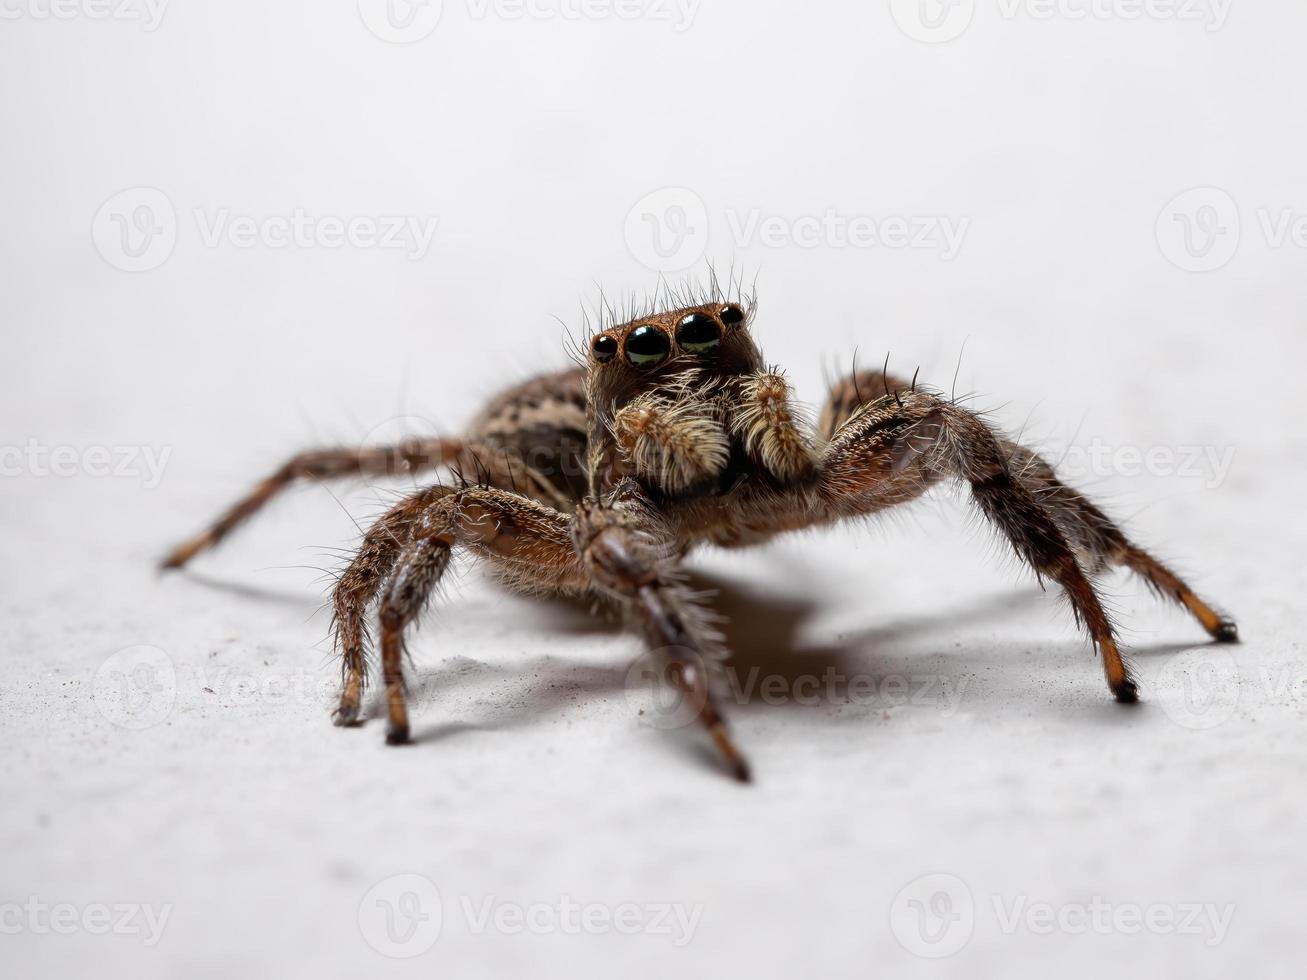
673, 433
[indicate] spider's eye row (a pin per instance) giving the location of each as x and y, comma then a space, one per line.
732, 315
604, 347
647, 346
698, 332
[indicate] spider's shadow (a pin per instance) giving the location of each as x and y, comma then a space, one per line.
763, 630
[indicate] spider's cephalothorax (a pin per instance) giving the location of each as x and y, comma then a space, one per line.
598, 479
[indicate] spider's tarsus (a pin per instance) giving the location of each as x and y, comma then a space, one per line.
1226, 632
346, 717
398, 736
179, 556
1126, 692
738, 765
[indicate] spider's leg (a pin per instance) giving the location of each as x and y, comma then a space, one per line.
529, 543
382, 545
409, 457
630, 557
1099, 541
890, 451
851, 392
477, 461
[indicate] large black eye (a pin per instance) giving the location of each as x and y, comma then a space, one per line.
647, 346
604, 347
731, 315
698, 332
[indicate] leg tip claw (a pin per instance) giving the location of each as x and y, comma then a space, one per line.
397, 736
1226, 632
1125, 692
346, 716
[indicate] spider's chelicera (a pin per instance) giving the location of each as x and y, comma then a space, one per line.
597, 480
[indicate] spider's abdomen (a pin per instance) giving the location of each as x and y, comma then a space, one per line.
541, 421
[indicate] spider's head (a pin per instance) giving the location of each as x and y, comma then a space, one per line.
711, 340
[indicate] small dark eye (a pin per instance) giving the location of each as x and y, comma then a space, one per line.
647, 346
604, 347
731, 315
698, 332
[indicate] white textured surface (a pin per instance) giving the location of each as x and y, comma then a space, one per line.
535, 780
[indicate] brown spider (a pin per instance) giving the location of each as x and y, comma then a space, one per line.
673, 433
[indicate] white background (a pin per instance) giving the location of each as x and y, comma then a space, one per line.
1058, 140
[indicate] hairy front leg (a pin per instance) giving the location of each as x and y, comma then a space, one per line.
629, 556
